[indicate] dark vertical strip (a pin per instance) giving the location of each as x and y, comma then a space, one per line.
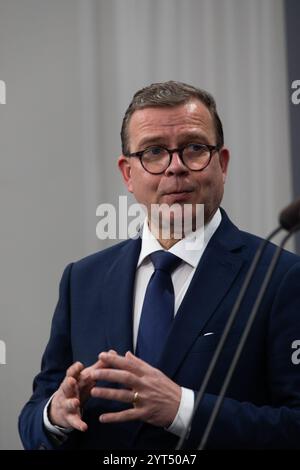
292, 23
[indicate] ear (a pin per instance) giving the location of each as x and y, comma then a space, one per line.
224, 157
125, 169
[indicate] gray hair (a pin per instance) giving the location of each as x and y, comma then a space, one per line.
170, 94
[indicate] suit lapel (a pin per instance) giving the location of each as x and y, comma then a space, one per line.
213, 278
119, 290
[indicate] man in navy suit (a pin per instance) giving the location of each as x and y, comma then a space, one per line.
173, 153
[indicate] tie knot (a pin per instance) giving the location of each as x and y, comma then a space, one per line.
165, 261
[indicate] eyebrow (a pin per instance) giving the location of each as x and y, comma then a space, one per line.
186, 138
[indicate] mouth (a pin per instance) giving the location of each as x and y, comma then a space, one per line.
177, 195
178, 191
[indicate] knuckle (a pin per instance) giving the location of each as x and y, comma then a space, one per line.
128, 376
143, 415
68, 381
70, 369
70, 405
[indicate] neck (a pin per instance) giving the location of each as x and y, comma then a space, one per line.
170, 234
167, 244
166, 238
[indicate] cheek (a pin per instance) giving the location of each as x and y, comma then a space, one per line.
144, 187
210, 185
214, 175
205, 181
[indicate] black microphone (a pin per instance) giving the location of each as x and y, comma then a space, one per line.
289, 219
290, 216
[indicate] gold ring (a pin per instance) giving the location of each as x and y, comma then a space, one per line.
135, 398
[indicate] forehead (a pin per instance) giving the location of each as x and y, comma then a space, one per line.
191, 117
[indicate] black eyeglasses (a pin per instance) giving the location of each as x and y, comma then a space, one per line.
156, 159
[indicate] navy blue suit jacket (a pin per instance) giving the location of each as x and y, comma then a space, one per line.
94, 314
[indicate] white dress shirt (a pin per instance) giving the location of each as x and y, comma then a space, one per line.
190, 250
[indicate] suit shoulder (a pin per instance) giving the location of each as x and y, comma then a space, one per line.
102, 257
253, 242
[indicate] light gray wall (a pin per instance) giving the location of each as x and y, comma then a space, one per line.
70, 67
41, 184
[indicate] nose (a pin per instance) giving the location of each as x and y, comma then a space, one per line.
176, 166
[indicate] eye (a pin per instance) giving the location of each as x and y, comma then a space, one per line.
196, 147
155, 151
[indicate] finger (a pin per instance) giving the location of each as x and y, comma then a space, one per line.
111, 351
124, 363
74, 370
124, 396
134, 358
69, 387
137, 361
121, 416
117, 376
72, 405
97, 365
100, 363
76, 422
85, 375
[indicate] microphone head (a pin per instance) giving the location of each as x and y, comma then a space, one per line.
289, 217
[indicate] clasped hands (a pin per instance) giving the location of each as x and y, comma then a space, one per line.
154, 396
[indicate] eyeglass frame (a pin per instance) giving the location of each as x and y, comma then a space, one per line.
212, 149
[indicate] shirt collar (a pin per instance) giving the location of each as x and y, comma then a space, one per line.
189, 249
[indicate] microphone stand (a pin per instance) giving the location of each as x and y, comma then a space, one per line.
226, 332
244, 337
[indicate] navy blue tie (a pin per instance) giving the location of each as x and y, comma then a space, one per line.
158, 308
